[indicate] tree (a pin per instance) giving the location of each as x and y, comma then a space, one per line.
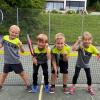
37, 4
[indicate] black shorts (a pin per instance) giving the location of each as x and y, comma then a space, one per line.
63, 67
17, 68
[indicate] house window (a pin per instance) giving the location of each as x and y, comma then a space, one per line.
75, 4
54, 5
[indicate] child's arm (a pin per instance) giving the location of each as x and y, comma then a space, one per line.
75, 46
35, 61
21, 47
1, 45
98, 56
65, 56
48, 50
54, 64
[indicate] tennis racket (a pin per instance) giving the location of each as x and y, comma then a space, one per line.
30, 45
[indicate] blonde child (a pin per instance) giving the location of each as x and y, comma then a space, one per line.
12, 44
62, 50
41, 56
85, 50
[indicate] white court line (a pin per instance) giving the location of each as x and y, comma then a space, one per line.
41, 89
91, 96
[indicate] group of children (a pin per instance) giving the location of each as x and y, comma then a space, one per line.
58, 55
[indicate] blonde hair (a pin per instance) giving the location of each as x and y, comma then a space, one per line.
42, 37
15, 27
59, 36
87, 34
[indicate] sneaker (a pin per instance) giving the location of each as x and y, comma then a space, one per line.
72, 90
90, 90
34, 88
66, 90
52, 89
46, 88
29, 89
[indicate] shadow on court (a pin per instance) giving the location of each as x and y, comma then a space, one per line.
19, 93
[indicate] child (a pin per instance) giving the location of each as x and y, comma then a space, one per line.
41, 55
12, 44
85, 50
62, 50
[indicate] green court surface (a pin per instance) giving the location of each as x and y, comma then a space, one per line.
19, 93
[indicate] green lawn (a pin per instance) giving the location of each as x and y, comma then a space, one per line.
71, 25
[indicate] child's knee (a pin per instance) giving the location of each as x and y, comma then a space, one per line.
4, 75
22, 74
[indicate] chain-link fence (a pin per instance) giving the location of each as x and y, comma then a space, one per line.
35, 21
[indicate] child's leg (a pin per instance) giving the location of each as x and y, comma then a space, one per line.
75, 77
53, 81
88, 76
35, 73
89, 81
25, 78
53, 78
45, 73
2, 78
64, 70
18, 69
65, 78
74, 81
6, 70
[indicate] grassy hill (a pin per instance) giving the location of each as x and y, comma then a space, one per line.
71, 25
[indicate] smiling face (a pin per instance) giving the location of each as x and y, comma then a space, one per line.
87, 39
41, 44
42, 40
59, 43
14, 31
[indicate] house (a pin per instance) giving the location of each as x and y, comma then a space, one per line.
66, 4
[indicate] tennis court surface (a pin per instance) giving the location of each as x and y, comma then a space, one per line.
19, 93
14, 88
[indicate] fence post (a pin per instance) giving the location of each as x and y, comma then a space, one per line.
1, 15
49, 27
17, 17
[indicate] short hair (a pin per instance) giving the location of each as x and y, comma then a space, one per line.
59, 36
42, 37
87, 34
15, 27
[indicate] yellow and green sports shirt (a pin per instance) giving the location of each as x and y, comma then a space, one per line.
41, 55
11, 48
84, 55
59, 53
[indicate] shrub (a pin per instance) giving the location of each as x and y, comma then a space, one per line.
54, 11
71, 12
97, 6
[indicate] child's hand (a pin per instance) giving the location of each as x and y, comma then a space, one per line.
65, 57
20, 43
98, 56
21, 47
46, 46
34, 61
79, 39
